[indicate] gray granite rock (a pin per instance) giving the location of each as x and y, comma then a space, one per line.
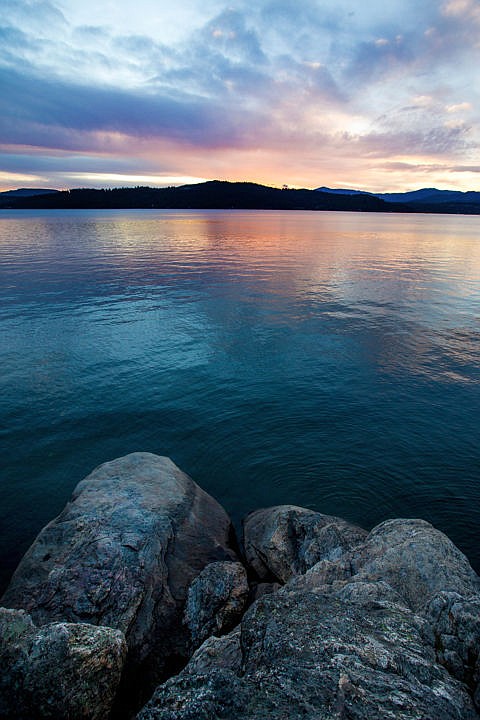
217, 652
216, 599
416, 560
455, 621
123, 554
384, 628
320, 655
286, 540
59, 671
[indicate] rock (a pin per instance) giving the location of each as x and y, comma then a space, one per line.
456, 625
324, 574
367, 632
416, 560
224, 652
218, 695
319, 655
123, 554
257, 590
216, 600
286, 540
384, 626
59, 671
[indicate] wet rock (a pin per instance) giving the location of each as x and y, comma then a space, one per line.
216, 600
59, 671
286, 540
123, 554
320, 655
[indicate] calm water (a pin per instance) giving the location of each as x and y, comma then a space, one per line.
330, 360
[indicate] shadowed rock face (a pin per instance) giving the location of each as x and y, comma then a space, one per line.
57, 671
216, 600
122, 554
456, 625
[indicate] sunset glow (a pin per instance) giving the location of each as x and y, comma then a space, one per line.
382, 98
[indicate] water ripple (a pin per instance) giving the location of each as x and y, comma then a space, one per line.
329, 360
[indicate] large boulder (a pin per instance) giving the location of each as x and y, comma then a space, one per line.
384, 626
416, 560
59, 671
123, 554
318, 655
286, 540
419, 567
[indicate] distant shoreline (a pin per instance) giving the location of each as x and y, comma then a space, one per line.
222, 195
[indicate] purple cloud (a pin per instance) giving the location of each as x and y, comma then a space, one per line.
277, 77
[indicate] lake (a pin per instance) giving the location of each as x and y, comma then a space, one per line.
329, 360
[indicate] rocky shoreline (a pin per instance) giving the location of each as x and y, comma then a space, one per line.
137, 601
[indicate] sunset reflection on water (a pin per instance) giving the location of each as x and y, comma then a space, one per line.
330, 360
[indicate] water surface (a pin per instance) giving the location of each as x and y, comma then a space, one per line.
329, 360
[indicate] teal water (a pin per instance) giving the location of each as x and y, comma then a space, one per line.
330, 360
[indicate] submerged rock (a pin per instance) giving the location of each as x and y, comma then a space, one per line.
216, 600
59, 671
287, 540
123, 554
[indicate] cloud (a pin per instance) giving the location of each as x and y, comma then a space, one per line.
64, 162
37, 15
468, 10
433, 141
458, 107
286, 81
40, 108
465, 168
229, 35
376, 58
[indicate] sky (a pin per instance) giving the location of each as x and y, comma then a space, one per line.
382, 96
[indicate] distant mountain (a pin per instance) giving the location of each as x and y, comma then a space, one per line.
213, 194
427, 196
341, 191
8, 196
27, 192
431, 195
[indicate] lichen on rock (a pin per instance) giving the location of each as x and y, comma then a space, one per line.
59, 670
